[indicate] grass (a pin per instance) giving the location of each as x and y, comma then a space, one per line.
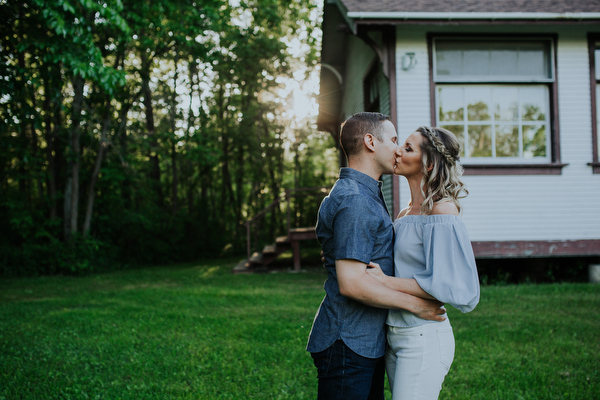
199, 332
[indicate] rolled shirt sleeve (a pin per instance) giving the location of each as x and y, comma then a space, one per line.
355, 229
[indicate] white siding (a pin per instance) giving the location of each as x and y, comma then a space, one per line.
412, 91
359, 61
529, 207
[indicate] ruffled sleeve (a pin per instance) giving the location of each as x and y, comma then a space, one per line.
450, 273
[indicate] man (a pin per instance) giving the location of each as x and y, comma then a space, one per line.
347, 340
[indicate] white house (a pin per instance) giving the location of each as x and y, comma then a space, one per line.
518, 82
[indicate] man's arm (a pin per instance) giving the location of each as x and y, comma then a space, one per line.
405, 285
355, 283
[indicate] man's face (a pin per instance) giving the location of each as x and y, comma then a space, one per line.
387, 150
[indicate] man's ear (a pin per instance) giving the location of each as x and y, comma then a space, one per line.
369, 141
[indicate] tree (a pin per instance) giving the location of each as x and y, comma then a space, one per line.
155, 123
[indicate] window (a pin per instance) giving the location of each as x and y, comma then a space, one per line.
501, 123
371, 90
496, 95
594, 45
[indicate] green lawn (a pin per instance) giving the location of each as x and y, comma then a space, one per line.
199, 332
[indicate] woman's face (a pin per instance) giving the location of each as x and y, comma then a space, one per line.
410, 163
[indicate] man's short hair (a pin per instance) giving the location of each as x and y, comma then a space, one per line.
356, 127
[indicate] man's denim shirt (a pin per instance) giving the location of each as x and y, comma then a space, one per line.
353, 223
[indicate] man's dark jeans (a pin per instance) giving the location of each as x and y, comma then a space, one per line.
345, 375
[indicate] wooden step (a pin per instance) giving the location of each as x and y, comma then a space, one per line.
302, 233
243, 267
282, 240
259, 260
270, 249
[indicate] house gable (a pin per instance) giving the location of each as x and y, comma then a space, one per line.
543, 210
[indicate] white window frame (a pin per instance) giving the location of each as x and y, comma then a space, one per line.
594, 49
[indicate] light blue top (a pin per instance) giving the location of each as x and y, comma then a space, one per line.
436, 251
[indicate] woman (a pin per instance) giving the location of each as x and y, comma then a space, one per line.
433, 258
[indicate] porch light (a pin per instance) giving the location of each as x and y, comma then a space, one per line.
408, 61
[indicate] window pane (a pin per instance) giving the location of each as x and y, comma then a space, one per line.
518, 60
534, 102
480, 141
449, 59
502, 121
534, 141
504, 61
597, 58
450, 104
506, 104
478, 101
459, 132
476, 60
533, 60
507, 141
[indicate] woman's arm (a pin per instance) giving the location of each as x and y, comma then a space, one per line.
408, 286
356, 284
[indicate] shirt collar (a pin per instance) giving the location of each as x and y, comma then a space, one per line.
361, 177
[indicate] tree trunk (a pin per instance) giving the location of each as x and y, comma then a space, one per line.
227, 199
73, 187
59, 159
49, 133
67, 209
23, 116
151, 128
36, 156
173, 117
174, 179
239, 185
122, 151
94, 178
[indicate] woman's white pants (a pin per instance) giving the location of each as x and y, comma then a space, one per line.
418, 359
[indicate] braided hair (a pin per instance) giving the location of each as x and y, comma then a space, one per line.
441, 152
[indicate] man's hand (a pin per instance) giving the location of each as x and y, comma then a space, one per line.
432, 310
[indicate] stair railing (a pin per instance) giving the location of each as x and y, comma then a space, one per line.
288, 195
253, 220
299, 192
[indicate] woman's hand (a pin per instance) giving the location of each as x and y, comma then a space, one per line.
375, 271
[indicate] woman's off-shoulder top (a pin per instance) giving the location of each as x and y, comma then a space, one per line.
436, 251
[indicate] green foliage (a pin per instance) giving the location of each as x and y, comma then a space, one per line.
144, 132
71, 39
28, 245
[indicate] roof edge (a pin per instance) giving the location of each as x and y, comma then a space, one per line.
471, 15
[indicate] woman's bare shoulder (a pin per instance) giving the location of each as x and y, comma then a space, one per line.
444, 207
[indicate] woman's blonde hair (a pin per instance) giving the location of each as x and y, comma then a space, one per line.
440, 155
